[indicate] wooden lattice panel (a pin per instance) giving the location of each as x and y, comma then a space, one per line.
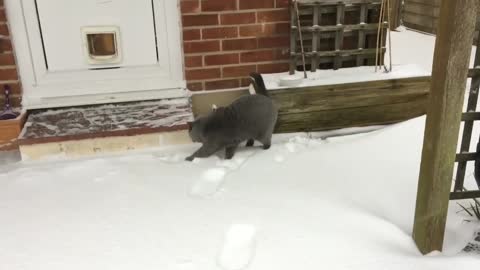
336, 34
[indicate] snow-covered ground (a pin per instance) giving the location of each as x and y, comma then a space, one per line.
309, 202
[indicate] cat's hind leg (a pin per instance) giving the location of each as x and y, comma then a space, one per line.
266, 140
204, 151
250, 142
230, 151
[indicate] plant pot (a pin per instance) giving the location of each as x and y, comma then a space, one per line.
9, 131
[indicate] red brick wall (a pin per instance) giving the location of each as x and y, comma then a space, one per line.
8, 69
225, 40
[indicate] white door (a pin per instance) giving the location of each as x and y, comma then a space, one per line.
74, 52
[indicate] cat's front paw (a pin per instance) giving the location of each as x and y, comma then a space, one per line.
190, 158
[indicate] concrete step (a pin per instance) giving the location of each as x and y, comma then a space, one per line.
83, 131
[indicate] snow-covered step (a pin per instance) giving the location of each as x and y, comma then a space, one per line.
83, 131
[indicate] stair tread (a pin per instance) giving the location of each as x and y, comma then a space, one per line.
124, 119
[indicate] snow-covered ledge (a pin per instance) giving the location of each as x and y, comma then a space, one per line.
346, 75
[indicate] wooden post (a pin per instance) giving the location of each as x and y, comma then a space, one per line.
449, 75
396, 11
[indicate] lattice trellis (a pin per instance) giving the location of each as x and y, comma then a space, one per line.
336, 34
468, 118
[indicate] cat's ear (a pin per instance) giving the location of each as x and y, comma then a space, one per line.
190, 125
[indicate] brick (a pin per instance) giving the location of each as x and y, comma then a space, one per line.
282, 3
202, 74
281, 15
239, 44
201, 46
273, 42
190, 6
257, 56
4, 30
245, 82
9, 74
199, 20
193, 61
222, 59
238, 71
7, 59
261, 30
219, 5
238, 18
5, 45
15, 87
257, 4
222, 84
219, 32
273, 67
3, 15
191, 34
195, 86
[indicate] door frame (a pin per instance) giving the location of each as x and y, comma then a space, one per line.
44, 89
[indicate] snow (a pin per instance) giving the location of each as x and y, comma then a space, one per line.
345, 75
238, 248
313, 201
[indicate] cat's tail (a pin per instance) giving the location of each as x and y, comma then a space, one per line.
259, 84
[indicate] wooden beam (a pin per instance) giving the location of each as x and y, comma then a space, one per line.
396, 8
326, 107
464, 157
464, 195
449, 76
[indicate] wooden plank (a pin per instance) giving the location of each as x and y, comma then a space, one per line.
351, 117
326, 9
361, 34
395, 11
449, 77
340, 53
473, 72
424, 21
463, 157
335, 2
330, 97
341, 27
425, 2
339, 37
465, 195
423, 15
471, 116
293, 42
349, 105
420, 28
316, 37
422, 10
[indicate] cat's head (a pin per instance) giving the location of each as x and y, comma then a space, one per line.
195, 129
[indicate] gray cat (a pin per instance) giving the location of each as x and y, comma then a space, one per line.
248, 118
